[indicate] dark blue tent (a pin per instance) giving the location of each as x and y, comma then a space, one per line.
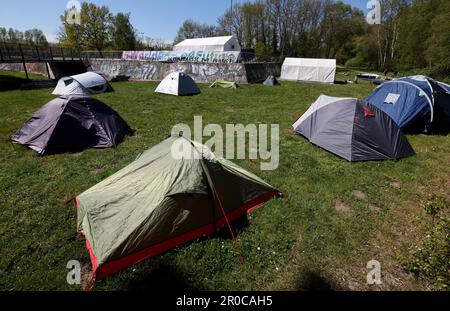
414, 103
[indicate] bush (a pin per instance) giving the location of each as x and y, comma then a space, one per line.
441, 71
431, 261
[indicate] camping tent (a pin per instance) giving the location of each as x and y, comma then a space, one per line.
309, 69
161, 200
178, 84
414, 102
72, 123
352, 130
224, 84
87, 83
271, 81
211, 44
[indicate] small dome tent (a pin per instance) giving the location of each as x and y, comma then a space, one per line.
88, 83
271, 81
224, 84
309, 69
162, 200
178, 84
352, 130
70, 124
211, 44
415, 103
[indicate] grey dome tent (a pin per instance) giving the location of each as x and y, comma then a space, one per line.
72, 123
271, 81
161, 200
178, 84
352, 130
88, 83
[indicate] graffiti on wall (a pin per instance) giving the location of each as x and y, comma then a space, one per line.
194, 56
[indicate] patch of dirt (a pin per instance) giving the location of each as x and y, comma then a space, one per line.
395, 184
342, 207
353, 285
359, 194
147, 110
374, 208
230, 110
96, 169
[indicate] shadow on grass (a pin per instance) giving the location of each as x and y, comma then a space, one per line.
314, 281
237, 225
162, 277
9, 83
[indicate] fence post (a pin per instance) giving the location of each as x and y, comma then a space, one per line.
39, 55
62, 53
23, 61
7, 51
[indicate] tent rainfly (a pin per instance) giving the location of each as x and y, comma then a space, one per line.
162, 200
224, 84
87, 83
70, 124
211, 44
178, 84
415, 103
352, 130
309, 69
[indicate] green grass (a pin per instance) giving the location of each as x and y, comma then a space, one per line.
297, 242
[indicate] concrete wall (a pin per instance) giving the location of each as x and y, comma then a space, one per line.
57, 69
156, 71
36, 68
200, 72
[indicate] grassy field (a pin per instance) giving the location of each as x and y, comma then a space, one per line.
299, 242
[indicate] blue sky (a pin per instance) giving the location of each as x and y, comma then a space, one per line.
154, 18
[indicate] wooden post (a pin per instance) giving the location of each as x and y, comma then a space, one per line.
62, 53
23, 61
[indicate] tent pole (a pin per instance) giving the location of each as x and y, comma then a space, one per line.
219, 203
217, 200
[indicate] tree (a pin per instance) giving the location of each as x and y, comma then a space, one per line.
3, 34
438, 43
124, 36
35, 36
341, 22
93, 32
14, 35
31, 36
387, 33
191, 29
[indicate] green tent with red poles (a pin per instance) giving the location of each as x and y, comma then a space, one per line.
162, 200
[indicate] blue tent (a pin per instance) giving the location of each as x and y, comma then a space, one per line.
414, 103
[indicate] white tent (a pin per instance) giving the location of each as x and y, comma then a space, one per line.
178, 84
212, 44
309, 69
87, 83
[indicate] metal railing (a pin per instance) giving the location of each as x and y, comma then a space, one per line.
18, 52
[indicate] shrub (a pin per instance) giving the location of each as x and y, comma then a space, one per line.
431, 260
